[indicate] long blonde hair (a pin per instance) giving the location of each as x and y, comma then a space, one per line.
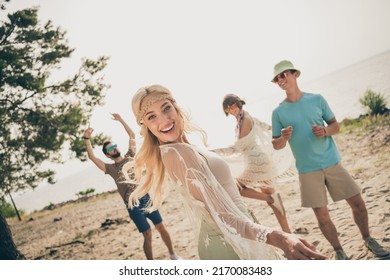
148, 167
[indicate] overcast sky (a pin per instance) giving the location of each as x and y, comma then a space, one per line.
204, 49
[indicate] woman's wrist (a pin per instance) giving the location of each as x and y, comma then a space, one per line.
86, 138
277, 238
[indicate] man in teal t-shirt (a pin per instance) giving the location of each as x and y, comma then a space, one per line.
311, 152
306, 121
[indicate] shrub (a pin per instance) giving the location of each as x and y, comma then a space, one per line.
8, 210
375, 102
363, 122
85, 193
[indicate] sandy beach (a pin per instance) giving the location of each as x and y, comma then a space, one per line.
99, 228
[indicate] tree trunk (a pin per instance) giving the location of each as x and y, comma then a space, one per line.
8, 250
13, 203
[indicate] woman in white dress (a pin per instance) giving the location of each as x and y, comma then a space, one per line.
262, 164
224, 228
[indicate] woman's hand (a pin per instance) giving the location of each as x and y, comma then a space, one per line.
297, 248
294, 248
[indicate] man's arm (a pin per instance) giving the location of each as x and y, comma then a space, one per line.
281, 141
332, 128
99, 163
129, 131
322, 131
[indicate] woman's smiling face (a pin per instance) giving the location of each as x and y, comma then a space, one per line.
162, 119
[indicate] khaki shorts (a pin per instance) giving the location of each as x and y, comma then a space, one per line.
335, 178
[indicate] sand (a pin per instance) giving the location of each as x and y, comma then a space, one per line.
99, 228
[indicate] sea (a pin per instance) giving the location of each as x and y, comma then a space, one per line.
342, 89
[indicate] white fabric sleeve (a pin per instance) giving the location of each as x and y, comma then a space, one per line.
188, 168
225, 151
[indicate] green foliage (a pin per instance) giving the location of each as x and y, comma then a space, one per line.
40, 116
364, 122
85, 193
7, 210
51, 206
375, 102
350, 124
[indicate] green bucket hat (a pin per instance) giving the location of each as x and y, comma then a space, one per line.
283, 66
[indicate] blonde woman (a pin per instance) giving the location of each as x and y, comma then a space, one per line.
210, 195
262, 166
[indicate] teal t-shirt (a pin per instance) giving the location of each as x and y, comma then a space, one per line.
311, 153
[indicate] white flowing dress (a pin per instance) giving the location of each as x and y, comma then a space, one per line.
254, 161
214, 205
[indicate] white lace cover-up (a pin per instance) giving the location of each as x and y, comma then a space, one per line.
212, 198
254, 161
